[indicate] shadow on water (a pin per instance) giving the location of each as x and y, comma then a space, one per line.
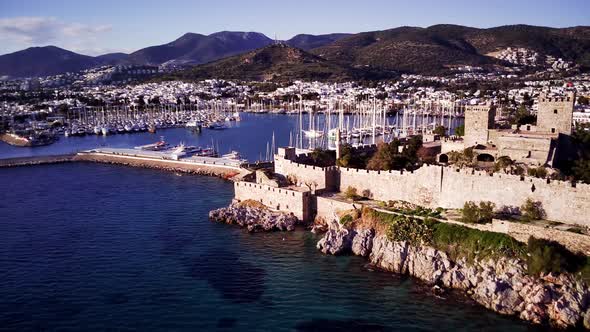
226, 323
352, 325
235, 280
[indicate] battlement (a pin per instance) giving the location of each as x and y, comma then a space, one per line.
569, 97
450, 187
289, 200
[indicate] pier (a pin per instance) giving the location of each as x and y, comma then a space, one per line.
220, 167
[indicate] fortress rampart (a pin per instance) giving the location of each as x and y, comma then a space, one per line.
280, 199
449, 187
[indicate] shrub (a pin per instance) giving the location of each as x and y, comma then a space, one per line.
346, 219
548, 256
461, 241
539, 172
367, 193
532, 210
351, 193
474, 214
403, 228
440, 131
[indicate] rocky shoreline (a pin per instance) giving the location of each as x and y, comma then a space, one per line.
255, 218
500, 285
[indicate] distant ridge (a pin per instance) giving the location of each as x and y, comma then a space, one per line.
43, 61
419, 50
377, 54
277, 62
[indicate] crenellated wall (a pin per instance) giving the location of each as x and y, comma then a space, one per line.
280, 199
448, 187
316, 177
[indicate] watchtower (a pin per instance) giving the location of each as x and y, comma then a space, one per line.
555, 114
479, 119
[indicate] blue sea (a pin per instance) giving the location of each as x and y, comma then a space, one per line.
92, 247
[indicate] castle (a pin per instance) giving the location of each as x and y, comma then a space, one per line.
307, 191
307, 195
529, 144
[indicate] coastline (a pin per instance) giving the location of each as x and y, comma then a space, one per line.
499, 284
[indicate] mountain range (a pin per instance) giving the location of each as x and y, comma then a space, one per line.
372, 54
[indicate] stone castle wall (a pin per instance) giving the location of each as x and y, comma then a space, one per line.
317, 177
328, 209
280, 199
447, 187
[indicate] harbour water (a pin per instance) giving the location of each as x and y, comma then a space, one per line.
249, 136
101, 247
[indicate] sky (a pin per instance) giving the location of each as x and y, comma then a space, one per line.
99, 27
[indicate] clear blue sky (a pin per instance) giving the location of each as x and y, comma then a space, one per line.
94, 27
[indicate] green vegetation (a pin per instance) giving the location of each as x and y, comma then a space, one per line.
417, 211
460, 131
458, 241
350, 157
346, 219
532, 210
503, 163
388, 155
549, 256
351, 193
522, 116
539, 172
474, 214
322, 158
577, 167
464, 158
440, 131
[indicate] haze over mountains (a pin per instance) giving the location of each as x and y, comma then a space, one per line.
403, 49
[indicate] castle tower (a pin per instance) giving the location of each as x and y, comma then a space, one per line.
555, 114
478, 120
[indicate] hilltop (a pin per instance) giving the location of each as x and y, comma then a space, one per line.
278, 62
432, 49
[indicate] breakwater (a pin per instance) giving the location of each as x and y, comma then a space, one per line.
39, 160
218, 167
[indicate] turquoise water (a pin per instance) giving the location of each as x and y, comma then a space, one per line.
99, 247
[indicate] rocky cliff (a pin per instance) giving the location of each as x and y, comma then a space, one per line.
501, 285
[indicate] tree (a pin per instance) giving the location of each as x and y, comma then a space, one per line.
440, 130
460, 131
523, 116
